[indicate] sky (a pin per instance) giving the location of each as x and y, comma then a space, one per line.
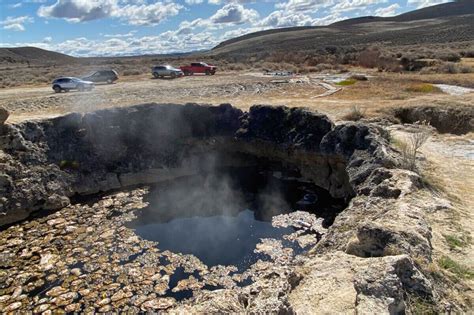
125, 27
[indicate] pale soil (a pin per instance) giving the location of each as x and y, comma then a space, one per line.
447, 164
451, 166
242, 89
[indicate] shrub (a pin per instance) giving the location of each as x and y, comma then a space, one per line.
323, 66
449, 56
368, 58
468, 54
410, 148
465, 69
355, 114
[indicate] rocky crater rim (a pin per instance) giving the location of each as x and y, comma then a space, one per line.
49, 161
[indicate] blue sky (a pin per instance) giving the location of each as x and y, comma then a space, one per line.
125, 27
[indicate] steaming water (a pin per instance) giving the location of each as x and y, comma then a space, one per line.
221, 217
215, 240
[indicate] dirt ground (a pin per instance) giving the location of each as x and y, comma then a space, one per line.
241, 89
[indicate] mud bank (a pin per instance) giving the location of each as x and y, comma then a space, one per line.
364, 259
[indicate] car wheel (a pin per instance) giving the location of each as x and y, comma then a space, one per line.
57, 89
81, 88
156, 75
173, 75
213, 72
208, 72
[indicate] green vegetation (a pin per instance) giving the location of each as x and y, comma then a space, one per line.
455, 241
423, 88
459, 270
346, 82
420, 306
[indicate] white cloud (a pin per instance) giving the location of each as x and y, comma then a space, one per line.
16, 23
286, 19
194, 1
15, 5
391, 10
129, 34
147, 14
233, 13
425, 3
349, 5
304, 5
79, 10
139, 13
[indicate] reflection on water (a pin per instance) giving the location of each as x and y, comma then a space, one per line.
215, 240
221, 217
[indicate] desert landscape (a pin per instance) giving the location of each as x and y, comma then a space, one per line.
322, 169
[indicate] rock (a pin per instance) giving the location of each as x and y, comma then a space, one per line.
120, 295
75, 307
357, 285
56, 291
12, 307
440, 117
158, 304
56, 201
3, 115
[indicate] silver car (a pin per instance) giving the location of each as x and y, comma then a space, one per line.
166, 71
70, 83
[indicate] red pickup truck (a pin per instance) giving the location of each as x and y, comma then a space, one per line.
199, 67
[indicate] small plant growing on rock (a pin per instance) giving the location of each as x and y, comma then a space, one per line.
411, 146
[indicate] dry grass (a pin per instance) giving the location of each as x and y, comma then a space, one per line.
423, 88
355, 114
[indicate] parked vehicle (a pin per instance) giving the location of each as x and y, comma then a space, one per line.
199, 67
166, 71
70, 83
108, 76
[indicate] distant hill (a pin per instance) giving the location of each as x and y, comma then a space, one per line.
444, 10
444, 23
33, 55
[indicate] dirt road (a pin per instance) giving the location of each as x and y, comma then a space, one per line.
42, 101
241, 89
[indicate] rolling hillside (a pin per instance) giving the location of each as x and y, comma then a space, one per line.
444, 23
33, 55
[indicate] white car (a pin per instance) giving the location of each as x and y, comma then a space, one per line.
70, 83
